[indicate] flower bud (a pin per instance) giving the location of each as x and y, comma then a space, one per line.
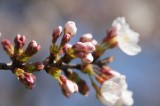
65, 39
86, 37
89, 47
86, 47
88, 58
105, 70
28, 79
82, 85
19, 41
32, 48
100, 79
80, 54
70, 28
56, 33
8, 47
79, 46
66, 47
111, 37
68, 86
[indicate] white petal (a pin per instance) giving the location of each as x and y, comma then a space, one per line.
126, 37
112, 89
127, 98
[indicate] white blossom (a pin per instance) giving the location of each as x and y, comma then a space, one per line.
114, 91
126, 99
126, 37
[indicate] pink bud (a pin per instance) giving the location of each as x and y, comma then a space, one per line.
89, 47
28, 80
39, 66
56, 33
70, 28
19, 41
111, 33
65, 39
68, 85
80, 54
88, 58
86, 47
86, 37
32, 48
79, 46
7, 46
105, 70
66, 47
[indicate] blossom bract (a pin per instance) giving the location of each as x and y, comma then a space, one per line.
126, 37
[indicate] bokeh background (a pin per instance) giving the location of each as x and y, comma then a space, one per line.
37, 18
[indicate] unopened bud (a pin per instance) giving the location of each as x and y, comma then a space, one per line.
65, 39
82, 85
68, 85
66, 47
86, 37
79, 46
89, 47
105, 70
28, 79
86, 47
111, 37
70, 28
100, 79
56, 33
8, 47
32, 48
19, 41
80, 54
88, 58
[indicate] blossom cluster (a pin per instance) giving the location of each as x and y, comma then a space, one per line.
111, 86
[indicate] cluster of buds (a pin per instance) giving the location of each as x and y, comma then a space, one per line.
28, 79
112, 89
20, 57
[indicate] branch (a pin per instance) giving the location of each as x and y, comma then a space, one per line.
5, 66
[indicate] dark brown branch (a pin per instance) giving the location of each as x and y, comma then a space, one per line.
5, 66
63, 66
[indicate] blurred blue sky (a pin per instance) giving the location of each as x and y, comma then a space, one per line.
37, 18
